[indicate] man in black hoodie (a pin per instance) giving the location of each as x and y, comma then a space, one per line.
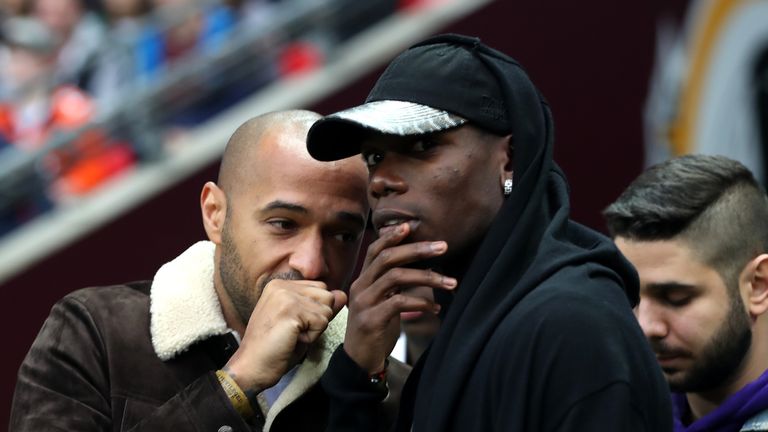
537, 327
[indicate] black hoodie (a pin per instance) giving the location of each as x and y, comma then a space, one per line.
540, 335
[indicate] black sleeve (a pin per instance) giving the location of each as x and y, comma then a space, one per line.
354, 403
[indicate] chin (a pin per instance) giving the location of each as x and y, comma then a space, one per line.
676, 381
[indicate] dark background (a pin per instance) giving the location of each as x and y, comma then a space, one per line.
591, 60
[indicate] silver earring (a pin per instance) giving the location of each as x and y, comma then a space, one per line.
507, 186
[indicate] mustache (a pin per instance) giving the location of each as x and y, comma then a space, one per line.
663, 349
289, 275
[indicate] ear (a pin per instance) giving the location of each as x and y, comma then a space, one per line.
213, 204
755, 278
506, 159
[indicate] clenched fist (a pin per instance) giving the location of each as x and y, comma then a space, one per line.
289, 316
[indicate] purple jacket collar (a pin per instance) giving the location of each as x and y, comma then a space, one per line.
731, 414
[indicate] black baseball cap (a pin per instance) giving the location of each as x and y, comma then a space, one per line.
438, 84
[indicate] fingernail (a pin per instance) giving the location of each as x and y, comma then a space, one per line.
449, 282
438, 246
436, 308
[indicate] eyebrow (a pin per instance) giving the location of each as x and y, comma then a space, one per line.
284, 205
354, 218
669, 286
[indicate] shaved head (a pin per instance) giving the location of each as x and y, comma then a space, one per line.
277, 213
247, 143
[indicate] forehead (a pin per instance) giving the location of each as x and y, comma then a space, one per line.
321, 187
666, 261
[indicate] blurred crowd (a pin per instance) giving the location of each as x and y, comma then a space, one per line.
70, 69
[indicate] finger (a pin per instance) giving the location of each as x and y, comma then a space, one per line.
388, 237
313, 325
393, 306
314, 290
401, 255
394, 280
318, 295
295, 283
311, 306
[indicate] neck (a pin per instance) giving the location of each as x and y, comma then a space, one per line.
752, 366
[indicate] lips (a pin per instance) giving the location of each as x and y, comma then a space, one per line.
669, 358
388, 217
666, 358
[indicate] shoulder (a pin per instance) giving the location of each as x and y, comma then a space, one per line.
106, 303
560, 325
109, 294
89, 316
563, 305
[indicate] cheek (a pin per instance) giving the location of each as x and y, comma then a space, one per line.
696, 326
446, 178
456, 188
258, 260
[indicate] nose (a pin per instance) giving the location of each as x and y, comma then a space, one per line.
651, 320
309, 258
386, 178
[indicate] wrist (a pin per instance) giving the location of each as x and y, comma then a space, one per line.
235, 393
370, 366
379, 379
245, 376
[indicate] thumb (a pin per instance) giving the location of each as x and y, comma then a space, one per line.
339, 300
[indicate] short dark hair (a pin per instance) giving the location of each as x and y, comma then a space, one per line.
712, 203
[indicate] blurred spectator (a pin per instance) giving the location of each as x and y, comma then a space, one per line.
37, 108
81, 33
81, 67
92, 159
191, 28
126, 12
11, 8
122, 61
33, 105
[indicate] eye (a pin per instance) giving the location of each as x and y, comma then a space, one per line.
372, 158
423, 144
282, 224
678, 300
347, 237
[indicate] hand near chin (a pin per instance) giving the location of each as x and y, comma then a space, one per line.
376, 297
289, 316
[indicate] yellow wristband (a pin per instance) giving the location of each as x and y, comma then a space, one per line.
235, 393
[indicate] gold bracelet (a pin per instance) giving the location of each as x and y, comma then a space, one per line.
235, 393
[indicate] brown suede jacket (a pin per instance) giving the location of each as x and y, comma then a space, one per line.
142, 356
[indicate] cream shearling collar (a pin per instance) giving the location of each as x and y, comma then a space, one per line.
185, 309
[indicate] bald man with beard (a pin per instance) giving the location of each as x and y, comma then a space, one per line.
234, 333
